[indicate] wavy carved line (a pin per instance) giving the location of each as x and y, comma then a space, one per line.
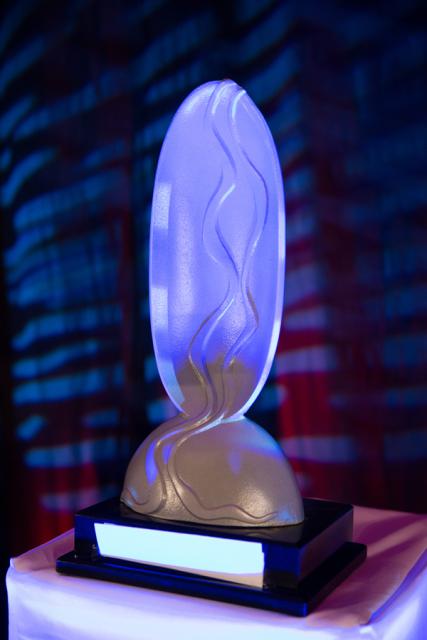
242, 339
181, 423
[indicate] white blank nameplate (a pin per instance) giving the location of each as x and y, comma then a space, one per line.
221, 558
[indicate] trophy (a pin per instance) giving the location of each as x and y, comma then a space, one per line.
210, 505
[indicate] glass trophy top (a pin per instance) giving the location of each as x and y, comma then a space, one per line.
217, 252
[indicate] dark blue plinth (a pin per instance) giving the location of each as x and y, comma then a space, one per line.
302, 563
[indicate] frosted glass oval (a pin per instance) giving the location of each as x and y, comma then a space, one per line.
217, 253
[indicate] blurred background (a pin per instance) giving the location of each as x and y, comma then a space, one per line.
87, 91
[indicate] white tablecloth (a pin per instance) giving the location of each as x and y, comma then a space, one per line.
385, 598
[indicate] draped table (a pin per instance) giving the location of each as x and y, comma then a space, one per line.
384, 598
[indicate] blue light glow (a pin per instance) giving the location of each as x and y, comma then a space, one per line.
73, 385
31, 367
175, 44
410, 445
325, 449
31, 427
23, 171
21, 61
268, 82
58, 324
234, 560
45, 207
313, 358
72, 455
160, 410
10, 119
150, 464
102, 418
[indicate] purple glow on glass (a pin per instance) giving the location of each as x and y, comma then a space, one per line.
217, 253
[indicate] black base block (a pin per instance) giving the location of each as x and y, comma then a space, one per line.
302, 563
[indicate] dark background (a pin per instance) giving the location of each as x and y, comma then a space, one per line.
87, 91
